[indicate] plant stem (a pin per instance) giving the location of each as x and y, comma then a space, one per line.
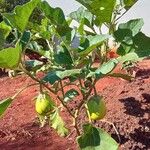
62, 89
80, 82
95, 91
78, 111
69, 111
76, 123
114, 129
24, 88
67, 84
88, 113
37, 80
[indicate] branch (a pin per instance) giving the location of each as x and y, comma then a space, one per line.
24, 88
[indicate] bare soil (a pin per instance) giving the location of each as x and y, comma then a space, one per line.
128, 105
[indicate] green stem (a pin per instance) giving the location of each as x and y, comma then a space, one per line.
78, 111
95, 91
62, 89
24, 88
76, 123
41, 88
69, 111
35, 79
121, 15
88, 113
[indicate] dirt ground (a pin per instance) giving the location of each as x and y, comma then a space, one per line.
128, 105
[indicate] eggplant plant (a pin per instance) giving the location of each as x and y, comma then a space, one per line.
73, 58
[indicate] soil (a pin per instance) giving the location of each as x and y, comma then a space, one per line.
128, 105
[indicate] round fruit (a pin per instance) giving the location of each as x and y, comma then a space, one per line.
96, 107
43, 104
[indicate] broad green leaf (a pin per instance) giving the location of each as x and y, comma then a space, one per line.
25, 38
91, 42
19, 18
129, 29
142, 44
125, 49
62, 56
125, 35
4, 104
102, 9
106, 68
57, 18
58, 124
129, 3
69, 95
10, 57
128, 57
4, 32
54, 76
96, 139
4, 29
33, 65
45, 29
82, 14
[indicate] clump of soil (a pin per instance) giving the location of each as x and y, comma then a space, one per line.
128, 105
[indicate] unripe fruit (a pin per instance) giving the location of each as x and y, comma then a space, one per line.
96, 108
43, 104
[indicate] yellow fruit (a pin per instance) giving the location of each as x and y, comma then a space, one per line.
96, 108
43, 104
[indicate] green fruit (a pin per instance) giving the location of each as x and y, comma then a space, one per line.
96, 107
44, 104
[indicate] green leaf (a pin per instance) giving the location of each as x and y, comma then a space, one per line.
4, 104
45, 29
25, 38
96, 139
125, 35
54, 76
33, 65
57, 18
10, 57
102, 9
106, 68
19, 18
125, 49
69, 95
58, 124
63, 57
4, 32
82, 14
142, 44
91, 42
128, 57
128, 29
129, 3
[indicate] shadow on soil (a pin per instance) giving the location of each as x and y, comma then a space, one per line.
143, 73
139, 109
133, 107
